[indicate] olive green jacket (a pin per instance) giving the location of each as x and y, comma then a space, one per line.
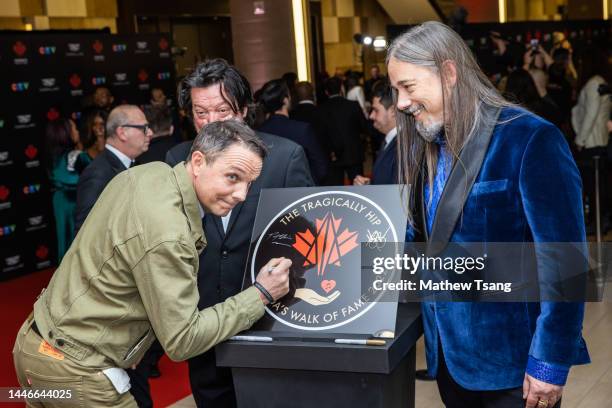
131, 275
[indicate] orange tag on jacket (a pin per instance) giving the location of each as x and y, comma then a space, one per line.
48, 350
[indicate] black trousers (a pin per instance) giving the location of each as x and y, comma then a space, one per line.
455, 396
139, 377
212, 386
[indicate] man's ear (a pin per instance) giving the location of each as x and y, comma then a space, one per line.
198, 160
120, 132
450, 73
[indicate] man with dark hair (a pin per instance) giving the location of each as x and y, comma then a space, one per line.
342, 123
375, 76
275, 100
160, 120
384, 169
129, 276
306, 110
216, 91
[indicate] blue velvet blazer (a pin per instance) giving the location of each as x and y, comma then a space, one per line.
525, 187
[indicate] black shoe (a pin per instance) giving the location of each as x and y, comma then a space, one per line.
154, 372
423, 376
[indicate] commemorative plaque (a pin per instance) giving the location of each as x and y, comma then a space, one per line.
324, 231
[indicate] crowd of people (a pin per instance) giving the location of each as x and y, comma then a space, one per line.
303, 140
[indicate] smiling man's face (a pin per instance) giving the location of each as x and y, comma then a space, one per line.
225, 182
419, 92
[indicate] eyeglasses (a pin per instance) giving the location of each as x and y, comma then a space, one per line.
144, 128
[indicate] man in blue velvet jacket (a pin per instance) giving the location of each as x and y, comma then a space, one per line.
515, 181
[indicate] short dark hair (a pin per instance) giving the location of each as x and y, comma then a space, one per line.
382, 90
304, 91
216, 137
159, 118
272, 95
235, 88
333, 85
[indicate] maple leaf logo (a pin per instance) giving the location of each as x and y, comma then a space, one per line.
327, 245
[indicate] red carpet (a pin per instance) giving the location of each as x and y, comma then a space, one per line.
16, 299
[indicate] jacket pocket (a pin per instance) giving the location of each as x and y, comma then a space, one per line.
136, 347
488, 187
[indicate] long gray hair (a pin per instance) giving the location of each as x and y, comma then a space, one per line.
430, 45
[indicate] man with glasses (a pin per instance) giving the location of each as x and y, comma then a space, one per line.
128, 136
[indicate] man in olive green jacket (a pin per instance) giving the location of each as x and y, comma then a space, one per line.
130, 275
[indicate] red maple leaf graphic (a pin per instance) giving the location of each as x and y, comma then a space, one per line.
4, 193
327, 245
19, 48
42, 251
31, 152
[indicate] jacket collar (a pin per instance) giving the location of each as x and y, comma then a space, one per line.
459, 183
191, 205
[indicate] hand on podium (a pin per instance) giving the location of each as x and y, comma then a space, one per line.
274, 277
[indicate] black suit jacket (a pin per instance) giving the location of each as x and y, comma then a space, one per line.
342, 123
384, 170
92, 182
223, 261
303, 134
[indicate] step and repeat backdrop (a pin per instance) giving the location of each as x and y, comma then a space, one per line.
44, 76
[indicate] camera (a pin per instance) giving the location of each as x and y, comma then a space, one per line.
534, 46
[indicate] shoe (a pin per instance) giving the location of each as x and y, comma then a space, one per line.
423, 376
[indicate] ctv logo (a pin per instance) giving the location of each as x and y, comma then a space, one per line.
119, 47
8, 230
31, 189
99, 80
163, 75
20, 86
46, 50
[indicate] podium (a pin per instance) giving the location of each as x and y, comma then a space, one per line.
321, 373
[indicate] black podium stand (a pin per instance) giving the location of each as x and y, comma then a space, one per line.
324, 374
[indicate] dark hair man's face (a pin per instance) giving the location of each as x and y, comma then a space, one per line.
208, 106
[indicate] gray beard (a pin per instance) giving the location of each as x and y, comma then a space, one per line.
428, 133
